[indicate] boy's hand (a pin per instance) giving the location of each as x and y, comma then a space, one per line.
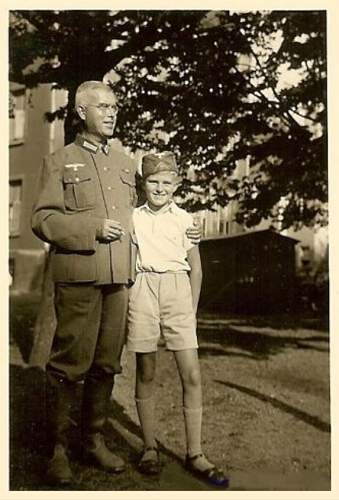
193, 233
111, 230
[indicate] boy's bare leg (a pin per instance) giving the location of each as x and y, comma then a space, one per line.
189, 371
146, 365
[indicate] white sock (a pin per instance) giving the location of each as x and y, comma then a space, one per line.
193, 421
145, 409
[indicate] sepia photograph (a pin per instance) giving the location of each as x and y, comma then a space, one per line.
169, 166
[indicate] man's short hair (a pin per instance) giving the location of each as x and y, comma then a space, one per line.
86, 87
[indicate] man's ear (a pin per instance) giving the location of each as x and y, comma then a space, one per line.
81, 110
143, 184
140, 184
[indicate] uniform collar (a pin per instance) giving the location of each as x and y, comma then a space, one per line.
90, 146
172, 208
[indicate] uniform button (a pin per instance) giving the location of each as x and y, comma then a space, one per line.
126, 170
113, 207
106, 169
109, 188
77, 179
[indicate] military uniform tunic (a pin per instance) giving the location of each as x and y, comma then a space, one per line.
80, 187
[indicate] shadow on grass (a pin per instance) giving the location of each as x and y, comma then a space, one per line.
276, 403
220, 341
295, 322
308, 320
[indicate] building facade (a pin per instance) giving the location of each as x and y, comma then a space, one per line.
31, 137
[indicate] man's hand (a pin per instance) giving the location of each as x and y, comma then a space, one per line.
111, 230
193, 233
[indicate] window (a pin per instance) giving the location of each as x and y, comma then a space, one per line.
17, 102
224, 227
215, 224
204, 229
15, 197
223, 221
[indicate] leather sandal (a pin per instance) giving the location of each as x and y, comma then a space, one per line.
212, 474
149, 466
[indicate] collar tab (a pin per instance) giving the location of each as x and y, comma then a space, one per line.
90, 146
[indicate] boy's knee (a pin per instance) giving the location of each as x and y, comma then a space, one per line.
193, 377
146, 369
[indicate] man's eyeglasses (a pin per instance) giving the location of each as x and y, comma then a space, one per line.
105, 108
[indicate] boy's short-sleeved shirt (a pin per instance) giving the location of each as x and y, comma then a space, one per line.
161, 238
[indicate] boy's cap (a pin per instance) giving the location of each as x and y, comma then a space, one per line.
158, 162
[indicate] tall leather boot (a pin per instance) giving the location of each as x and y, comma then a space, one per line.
60, 395
96, 396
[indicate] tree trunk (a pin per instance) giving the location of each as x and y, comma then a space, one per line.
46, 321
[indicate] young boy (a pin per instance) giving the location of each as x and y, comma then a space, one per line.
164, 298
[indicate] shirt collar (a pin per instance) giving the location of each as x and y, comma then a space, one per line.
172, 208
90, 146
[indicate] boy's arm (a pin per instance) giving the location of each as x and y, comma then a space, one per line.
193, 258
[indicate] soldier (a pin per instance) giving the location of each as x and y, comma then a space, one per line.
84, 210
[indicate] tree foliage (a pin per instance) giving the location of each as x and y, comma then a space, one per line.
215, 87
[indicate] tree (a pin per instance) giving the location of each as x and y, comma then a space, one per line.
212, 86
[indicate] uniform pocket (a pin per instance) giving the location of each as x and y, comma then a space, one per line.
69, 266
79, 193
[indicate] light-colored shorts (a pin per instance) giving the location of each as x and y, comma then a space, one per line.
161, 303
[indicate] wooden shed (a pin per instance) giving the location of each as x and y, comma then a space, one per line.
249, 273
